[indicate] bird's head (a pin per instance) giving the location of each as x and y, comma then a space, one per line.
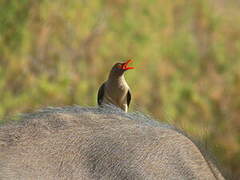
120, 68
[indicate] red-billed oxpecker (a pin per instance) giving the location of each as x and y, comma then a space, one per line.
115, 90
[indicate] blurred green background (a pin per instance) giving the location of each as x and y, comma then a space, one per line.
187, 59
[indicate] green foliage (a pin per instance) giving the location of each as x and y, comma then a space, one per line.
55, 53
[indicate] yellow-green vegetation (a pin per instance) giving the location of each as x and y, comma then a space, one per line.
187, 59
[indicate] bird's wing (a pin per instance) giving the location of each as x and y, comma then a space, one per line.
100, 94
128, 97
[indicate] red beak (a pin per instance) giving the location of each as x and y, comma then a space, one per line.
125, 65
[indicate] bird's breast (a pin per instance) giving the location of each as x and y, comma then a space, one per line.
116, 93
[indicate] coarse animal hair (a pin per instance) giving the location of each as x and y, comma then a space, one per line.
98, 143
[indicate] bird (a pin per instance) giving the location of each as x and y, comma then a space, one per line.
116, 90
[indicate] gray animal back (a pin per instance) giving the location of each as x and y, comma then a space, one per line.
98, 143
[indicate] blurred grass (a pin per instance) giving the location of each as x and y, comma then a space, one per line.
186, 57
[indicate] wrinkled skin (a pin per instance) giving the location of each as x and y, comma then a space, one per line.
98, 143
